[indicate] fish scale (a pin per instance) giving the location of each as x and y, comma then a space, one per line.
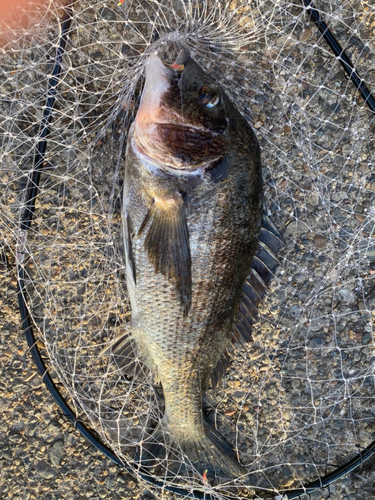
192, 217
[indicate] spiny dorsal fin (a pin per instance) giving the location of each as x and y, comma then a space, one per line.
263, 269
167, 244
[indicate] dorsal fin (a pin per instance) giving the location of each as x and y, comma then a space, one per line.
263, 270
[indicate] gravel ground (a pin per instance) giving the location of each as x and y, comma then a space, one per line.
303, 391
43, 457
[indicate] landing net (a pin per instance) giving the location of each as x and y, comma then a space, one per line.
298, 401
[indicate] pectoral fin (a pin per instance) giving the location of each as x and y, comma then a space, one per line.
167, 244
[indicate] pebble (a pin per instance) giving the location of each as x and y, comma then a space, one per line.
370, 302
56, 452
45, 470
366, 338
317, 341
346, 296
296, 228
320, 241
294, 311
239, 396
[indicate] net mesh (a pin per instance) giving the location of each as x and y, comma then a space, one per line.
298, 400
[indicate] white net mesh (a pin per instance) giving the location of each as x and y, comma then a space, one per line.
300, 398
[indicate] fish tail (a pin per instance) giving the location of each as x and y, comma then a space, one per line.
220, 457
208, 453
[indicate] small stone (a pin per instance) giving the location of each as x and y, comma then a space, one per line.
320, 241
15, 437
317, 341
287, 414
18, 427
370, 302
294, 311
54, 427
288, 483
4, 488
296, 383
233, 383
305, 35
45, 470
71, 440
108, 14
131, 484
361, 306
346, 296
230, 412
255, 354
296, 227
366, 338
56, 452
239, 396
110, 483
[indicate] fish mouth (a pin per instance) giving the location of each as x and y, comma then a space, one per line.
159, 78
182, 58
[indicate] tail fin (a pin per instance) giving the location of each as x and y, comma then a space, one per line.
209, 454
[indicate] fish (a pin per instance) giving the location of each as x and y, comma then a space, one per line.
199, 250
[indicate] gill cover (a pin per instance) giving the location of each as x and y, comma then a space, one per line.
182, 120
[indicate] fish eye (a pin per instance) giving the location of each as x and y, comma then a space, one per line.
209, 97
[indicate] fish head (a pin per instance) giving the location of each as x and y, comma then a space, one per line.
183, 119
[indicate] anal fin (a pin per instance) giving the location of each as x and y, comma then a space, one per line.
124, 350
219, 370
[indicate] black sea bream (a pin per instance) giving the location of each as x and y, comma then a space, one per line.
192, 219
